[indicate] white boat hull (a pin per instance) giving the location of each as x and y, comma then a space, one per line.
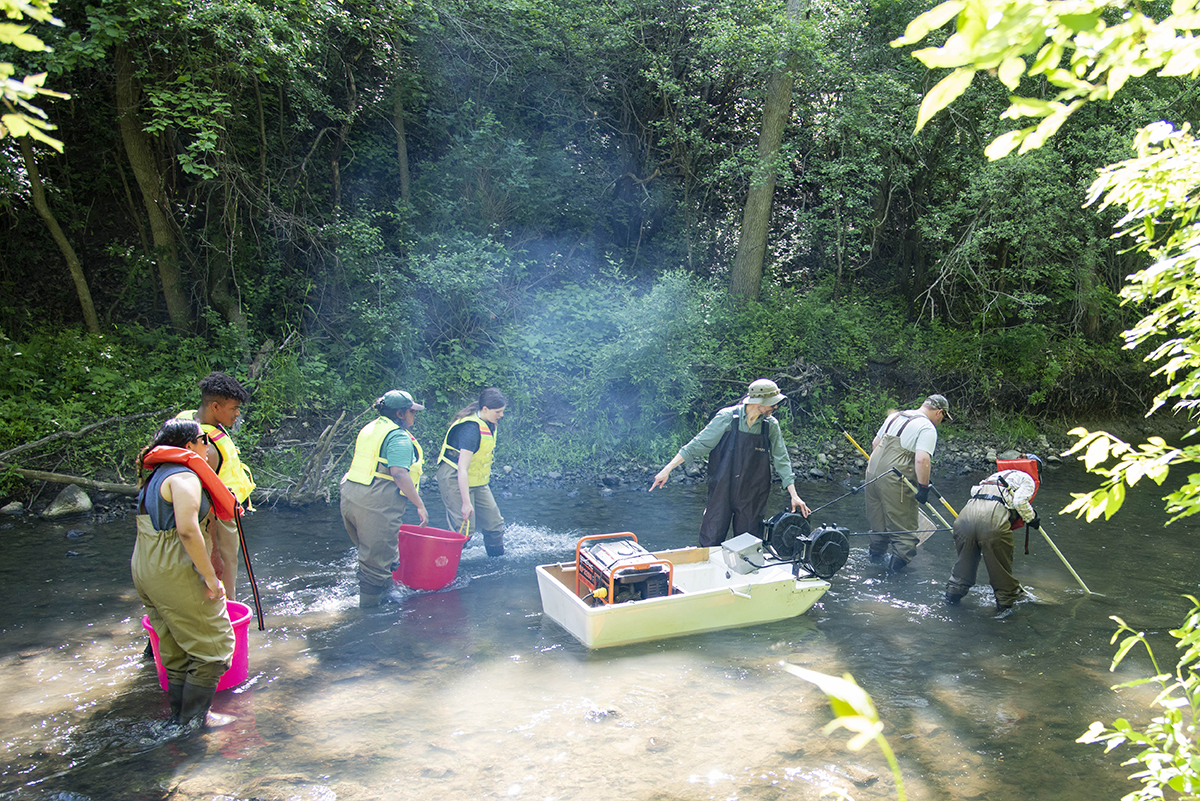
710, 597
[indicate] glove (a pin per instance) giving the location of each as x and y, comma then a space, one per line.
923, 493
1036, 522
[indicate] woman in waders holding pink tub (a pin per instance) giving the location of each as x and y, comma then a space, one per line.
173, 573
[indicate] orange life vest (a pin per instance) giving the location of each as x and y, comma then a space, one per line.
223, 503
1027, 466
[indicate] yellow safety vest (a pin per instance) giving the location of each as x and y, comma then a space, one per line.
369, 464
233, 473
479, 472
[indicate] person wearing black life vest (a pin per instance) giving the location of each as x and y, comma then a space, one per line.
906, 441
384, 477
221, 399
743, 442
998, 505
172, 571
465, 469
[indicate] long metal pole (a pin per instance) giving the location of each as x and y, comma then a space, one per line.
237, 517
928, 506
1065, 562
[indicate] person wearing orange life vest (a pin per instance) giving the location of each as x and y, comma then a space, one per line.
906, 441
384, 477
998, 505
221, 399
465, 469
172, 571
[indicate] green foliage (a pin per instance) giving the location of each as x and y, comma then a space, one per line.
854, 711
22, 117
1074, 48
68, 379
1169, 759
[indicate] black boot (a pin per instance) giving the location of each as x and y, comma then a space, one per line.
195, 709
175, 698
493, 542
369, 595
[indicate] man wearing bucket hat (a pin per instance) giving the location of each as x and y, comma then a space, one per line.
743, 442
906, 442
382, 480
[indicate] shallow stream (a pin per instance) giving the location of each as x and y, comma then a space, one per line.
470, 693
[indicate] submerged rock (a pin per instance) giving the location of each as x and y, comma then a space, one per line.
14, 508
71, 501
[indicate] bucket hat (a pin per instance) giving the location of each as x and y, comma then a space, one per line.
764, 391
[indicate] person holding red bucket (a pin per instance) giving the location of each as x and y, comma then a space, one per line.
465, 469
383, 479
172, 571
998, 505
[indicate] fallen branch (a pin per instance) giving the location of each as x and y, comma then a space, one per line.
312, 478
62, 478
81, 432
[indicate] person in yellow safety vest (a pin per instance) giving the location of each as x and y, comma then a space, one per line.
465, 469
384, 477
221, 399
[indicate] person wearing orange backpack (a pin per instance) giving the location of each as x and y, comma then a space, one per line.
998, 505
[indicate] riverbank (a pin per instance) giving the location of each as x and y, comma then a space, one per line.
963, 449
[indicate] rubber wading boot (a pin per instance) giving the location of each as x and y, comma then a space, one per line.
175, 698
369, 595
196, 708
876, 557
895, 564
493, 542
952, 599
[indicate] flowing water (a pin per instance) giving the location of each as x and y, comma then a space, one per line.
471, 693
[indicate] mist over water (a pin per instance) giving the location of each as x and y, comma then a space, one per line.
470, 693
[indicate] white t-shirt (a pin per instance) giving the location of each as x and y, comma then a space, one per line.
919, 435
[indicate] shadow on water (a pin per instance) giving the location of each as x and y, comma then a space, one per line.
469, 692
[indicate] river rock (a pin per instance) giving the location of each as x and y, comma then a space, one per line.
71, 501
14, 508
1010, 455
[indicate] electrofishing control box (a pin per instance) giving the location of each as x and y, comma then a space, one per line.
634, 571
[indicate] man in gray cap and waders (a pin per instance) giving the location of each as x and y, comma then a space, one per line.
906, 441
743, 442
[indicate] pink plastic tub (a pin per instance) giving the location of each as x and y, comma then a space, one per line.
428, 557
239, 667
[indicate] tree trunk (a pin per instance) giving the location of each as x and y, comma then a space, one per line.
150, 181
401, 144
60, 238
746, 277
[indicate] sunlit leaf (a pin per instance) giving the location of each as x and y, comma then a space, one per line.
931, 20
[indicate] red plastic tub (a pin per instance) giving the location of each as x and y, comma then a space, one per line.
239, 666
428, 557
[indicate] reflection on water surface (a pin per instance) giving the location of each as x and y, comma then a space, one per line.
469, 693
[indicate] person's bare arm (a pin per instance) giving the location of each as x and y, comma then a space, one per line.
182, 490
405, 484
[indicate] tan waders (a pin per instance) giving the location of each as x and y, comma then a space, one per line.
486, 518
982, 532
195, 638
373, 514
891, 506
